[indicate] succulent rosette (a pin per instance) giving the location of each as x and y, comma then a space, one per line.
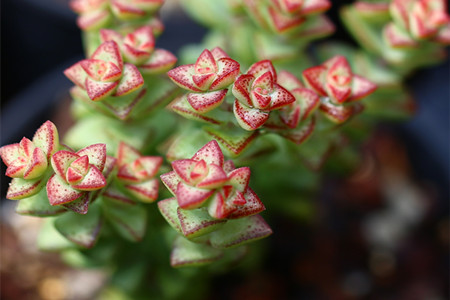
207, 180
212, 207
28, 161
206, 80
76, 174
417, 20
338, 87
138, 48
295, 121
96, 14
286, 16
104, 74
136, 174
257, 93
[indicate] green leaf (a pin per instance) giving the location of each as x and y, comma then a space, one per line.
49, 239
129, 220
168, 209
240, 231
186, 253
81, 229
197, 222
38, 206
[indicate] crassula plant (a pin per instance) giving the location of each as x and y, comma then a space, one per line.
160, 154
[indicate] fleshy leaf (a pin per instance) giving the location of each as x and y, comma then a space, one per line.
171, 181
210, 153
131, 80
38, 205
239, 178
21, 188
240, 231
249, 118
61, 161
59, 192
186, 253
98, 90
160, 61
83, 230
96, 154
168, 209
146, 191
204, 102
190, 197
93, 180
80, 205
47, 138
129, 220
315, 77
252, 206
182, 76
197, 222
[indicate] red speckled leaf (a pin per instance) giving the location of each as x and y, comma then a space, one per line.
205, 63
98, 90
280, 97
126, 154
216, 177
96, 154
205, 102
210, 153
228, 71
169, 210
339, 113
160, 61
299, 135
183, 168
197, 222
76, 74
252, 206
10, 153
61, 161
182, 76
203, 81
47, 138
109, 52
289, 81
130, 81
110, 35
315, 77
171, 181
241, 88
283, 22
249, 118
190, 197
93, 180
37, 166
20, 188
60, 192
146, 191
80, 205
361, 87
261, 67
234, 140
239, 178
100, 70
218, 53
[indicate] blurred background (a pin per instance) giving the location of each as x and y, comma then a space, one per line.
382, 233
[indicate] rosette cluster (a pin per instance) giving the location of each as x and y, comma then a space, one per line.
338, 88
417, 20
28, 161
207, 180
138, 48
77, 174
290, 16
135, 176
206, 80
96, 14
105, 74
257, 93
213, 207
